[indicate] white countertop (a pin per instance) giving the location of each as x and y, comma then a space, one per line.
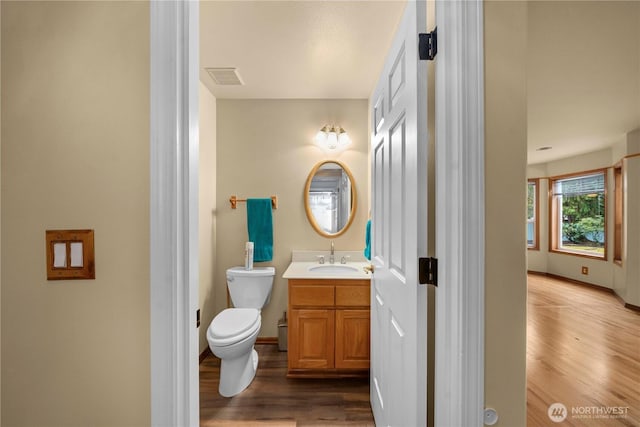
303, 261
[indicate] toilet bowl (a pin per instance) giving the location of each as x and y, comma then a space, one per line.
231, 337
233, 332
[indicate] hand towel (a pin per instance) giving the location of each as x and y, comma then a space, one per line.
260, 227
367, 241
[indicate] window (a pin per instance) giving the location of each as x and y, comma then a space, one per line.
618, 214
323, 207
578, 206
532, 214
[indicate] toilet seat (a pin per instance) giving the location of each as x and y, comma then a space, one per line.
233, 325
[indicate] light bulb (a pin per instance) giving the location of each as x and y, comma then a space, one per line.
332, 140
321, 137
343, 138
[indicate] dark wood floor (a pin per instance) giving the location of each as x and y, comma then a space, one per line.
274, 400
583, 350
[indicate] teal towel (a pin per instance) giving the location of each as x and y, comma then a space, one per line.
260, 227
367, 241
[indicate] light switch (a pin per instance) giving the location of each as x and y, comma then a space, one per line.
59, 255
76, 254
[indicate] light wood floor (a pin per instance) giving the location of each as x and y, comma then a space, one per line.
583, 350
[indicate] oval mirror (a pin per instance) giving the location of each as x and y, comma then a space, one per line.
330, 198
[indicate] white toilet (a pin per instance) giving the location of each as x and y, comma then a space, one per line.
233, 332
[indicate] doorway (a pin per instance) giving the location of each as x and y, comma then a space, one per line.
173, 396
593, 140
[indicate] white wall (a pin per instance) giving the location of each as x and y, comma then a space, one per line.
264, 148
207, 211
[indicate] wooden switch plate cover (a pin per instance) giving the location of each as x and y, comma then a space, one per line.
70, 255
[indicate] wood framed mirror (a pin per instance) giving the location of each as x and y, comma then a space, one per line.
330, 198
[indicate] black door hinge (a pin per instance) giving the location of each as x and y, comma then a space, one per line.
198, 318
428, 271
428, 45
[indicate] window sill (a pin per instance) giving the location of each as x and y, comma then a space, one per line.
579, 254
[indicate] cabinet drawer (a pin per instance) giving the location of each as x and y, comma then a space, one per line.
311, 295
352, 296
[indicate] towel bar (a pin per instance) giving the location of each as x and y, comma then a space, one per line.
234, 201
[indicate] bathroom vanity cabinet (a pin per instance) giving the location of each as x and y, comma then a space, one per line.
328, 333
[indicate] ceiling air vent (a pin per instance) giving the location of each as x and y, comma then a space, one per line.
225, 76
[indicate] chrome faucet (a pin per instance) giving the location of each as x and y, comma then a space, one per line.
331, 257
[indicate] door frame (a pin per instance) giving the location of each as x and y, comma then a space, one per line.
459, 381
173, 210
459, 341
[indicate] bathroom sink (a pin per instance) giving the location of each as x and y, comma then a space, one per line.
333, 268
310, 265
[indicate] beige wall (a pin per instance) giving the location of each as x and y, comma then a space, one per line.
619, 21
505, 43
537, 258
0, 212
75, 154
629, 288
264, 148
623, 279
207, 209
630, 291
570, 266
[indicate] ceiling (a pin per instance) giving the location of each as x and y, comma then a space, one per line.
297, 49
583, 74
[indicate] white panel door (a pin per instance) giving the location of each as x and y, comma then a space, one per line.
399, 229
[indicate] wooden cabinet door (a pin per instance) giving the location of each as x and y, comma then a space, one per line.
311, 339
352, 339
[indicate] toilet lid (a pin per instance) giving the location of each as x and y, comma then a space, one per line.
234, 322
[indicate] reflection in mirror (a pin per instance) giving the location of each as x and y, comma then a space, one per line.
330, 198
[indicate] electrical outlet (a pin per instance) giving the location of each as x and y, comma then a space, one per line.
585, 270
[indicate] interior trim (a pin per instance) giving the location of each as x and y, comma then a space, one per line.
632, 307
590, 285
267, 340
574, 281
460, 219
205, 353
173, 211
259, 341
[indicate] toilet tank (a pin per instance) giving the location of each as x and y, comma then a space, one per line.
250, 288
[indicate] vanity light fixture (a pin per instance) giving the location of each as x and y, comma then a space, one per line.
332, 137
